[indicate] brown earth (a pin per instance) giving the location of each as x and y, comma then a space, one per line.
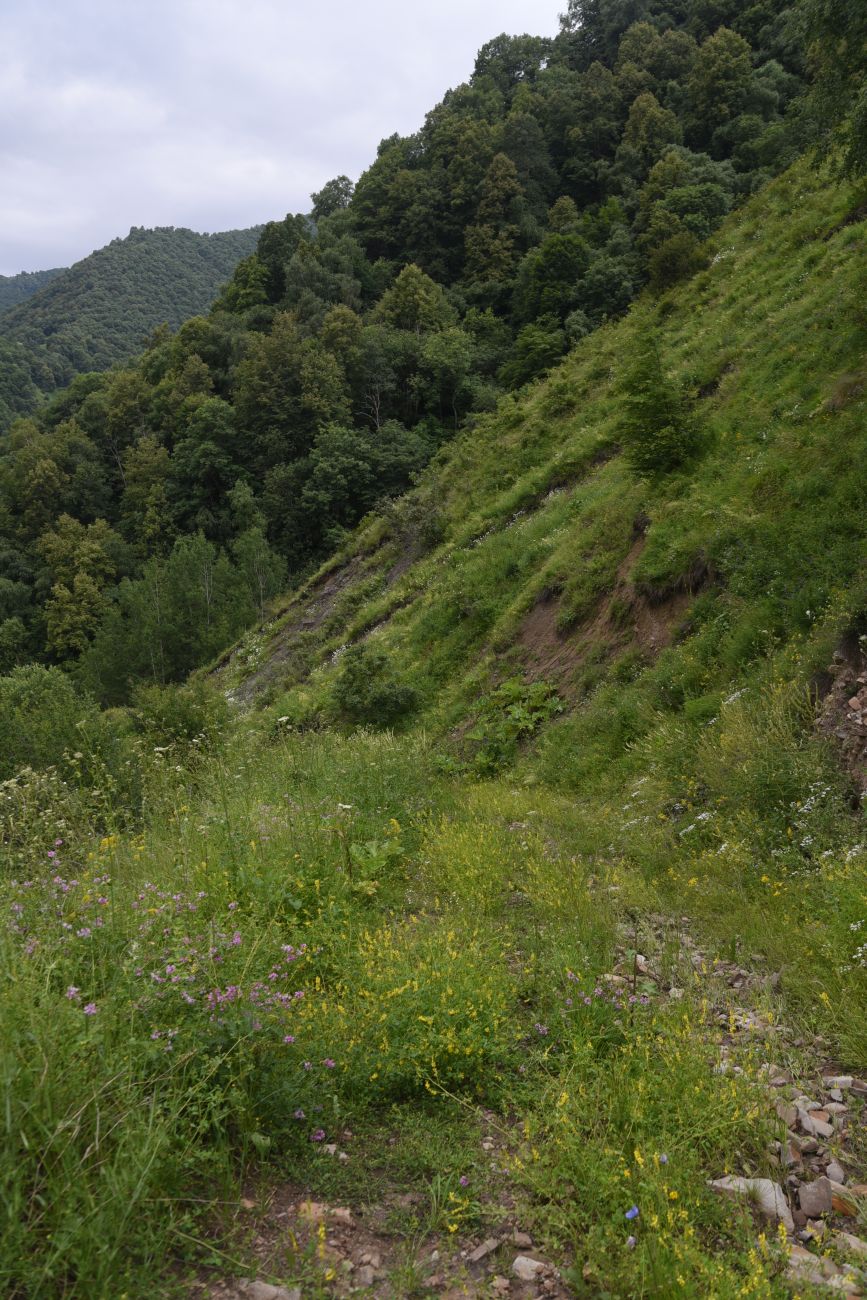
624, 618
842, 712
382, 1250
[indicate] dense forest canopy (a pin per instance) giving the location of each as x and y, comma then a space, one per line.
149, 513
101, 310
18, 288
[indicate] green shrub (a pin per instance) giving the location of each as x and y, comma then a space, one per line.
510, 714
171, 713
44, 721
62, 761
676, 259
369, 691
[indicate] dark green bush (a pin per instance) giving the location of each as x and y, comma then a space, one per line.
675, 259
171, 713
46, 724
43, 719
369, 690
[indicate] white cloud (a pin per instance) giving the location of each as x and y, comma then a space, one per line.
210, 113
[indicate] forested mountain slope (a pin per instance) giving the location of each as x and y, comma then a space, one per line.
680, 499
532, 206
520, 889
102, 310
18, 288
489, 920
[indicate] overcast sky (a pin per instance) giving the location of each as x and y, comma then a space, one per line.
211, 114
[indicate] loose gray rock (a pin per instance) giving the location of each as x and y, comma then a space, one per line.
816, 1127
265, 1291
816, 1198
854, 1245
365, 1276
807, 1268
787, 1112
836, 1172
527, 1269
481, 1252
767, 1197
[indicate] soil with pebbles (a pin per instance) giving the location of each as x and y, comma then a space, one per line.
817, 1194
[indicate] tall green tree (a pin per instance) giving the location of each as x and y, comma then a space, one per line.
656, 428
837, 47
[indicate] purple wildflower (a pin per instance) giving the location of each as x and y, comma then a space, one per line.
464, 1180
318, 1136
90, 1009
632, 1213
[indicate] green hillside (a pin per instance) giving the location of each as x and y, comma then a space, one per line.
490, 919
524, 892
532, 547
101, 310
533, 205
18, 288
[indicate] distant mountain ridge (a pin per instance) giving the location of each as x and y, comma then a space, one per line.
15, 289
101, 310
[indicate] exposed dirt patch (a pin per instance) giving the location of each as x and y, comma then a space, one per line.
656, 626
548, 654
401, 566
842, 715
624, 618
847, 389
388, 1249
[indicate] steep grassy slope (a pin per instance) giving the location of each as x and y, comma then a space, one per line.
18, 288
101, 310
557, 561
